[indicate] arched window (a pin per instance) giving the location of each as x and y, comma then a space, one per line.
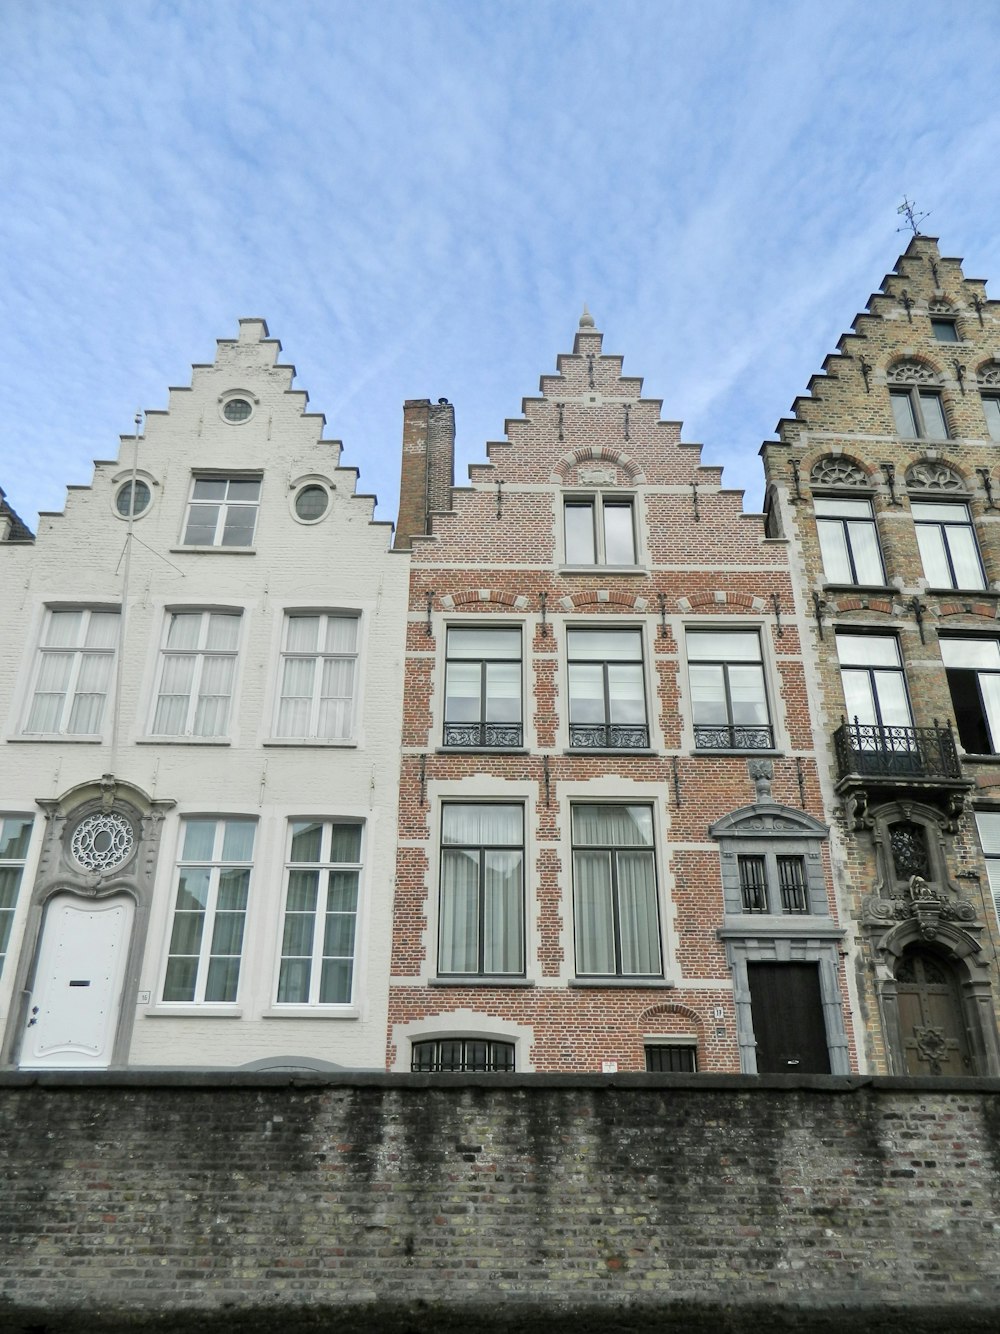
988, 377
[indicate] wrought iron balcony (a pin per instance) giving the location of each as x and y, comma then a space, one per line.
609, 736
896, 753
499, 735
727, 736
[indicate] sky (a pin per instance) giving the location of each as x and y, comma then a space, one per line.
419, 198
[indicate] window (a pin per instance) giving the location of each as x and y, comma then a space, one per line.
948, 547
15, 834
991, 407
482, 896
462, 1056
483, 687
311, 503
944, 330
918, 413
197, 668
790, 875
133, 499
607, 698
213, 885
848, 541
973, 671
872, 675
614, 891
73, 675
671, 1058
318, 671
753, 883
988, 823
599, 531
727, 690
222, 512
321, 911
237, 410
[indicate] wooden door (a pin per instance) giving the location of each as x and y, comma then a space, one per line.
788, 1024
931, 1022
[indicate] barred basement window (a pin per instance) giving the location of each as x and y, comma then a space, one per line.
669, 1058
462, 1056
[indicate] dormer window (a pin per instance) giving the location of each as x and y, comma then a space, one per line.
600, 530
944, 330
916, 401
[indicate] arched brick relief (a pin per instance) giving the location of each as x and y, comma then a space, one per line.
599, 597
477, 597
656, 1015
720, 598
935, 475
983, 609
912, 370
604, 462
840, 470
839, 607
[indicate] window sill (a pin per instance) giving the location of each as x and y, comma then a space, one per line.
312, 1012
628, 570
479, 981
609, 750
968, 758
868, 589
215, 551
182, 741
646, 983
314, 743
48, 738
192, 1011
711, 754
783, 925
482, 750
962, 592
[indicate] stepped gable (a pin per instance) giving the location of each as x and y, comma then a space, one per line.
12, 526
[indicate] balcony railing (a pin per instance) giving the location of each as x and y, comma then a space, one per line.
896, 752
724, 736
498, 735
609, 736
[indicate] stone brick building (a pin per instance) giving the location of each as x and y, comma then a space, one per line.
612, 851
200, 702
886, 481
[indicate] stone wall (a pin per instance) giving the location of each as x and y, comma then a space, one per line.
409, 1203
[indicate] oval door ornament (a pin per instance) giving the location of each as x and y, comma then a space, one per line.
102, 842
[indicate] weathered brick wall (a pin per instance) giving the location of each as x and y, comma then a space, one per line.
409, 1203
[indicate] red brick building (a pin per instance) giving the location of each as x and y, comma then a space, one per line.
612, 850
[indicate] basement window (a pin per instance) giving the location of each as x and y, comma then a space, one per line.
462, 1056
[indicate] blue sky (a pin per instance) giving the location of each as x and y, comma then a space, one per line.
419, 197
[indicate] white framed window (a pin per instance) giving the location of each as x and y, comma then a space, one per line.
210, 907
972, 667
319, 663
948, 547
197, 671
73, 672
615, 908
848, 540
991, 409
15, 835
875, 694
918, 413
222, 512
599, 530
607, 697
988, 824
319, 931
482, 704
728, 694
481, 926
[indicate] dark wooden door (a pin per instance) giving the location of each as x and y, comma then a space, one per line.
930, 1016
788, 1020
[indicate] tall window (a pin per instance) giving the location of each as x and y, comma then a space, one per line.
483, 687
73, 673
727, 690
948, 547
944, 329
871, 672
991, 407
614, 891
848, 541
462, 1056
213, 885
600, 530
197, 669
318, 667
321, 909
607, 698
15, 833
482, 893
988, 824
222, 512
973, 671
918, 413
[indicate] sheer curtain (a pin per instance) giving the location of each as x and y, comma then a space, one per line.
481, 870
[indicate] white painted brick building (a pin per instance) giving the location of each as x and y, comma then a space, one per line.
200, 707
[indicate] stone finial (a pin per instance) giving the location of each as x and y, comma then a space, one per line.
586, 319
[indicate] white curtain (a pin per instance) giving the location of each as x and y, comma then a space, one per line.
91, 691
296, 696
503, 930
50, 691
595, 928
459, 926
212, 714
176, 680
637, 921
336, 699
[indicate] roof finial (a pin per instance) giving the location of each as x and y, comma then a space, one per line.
586, 319
913, 218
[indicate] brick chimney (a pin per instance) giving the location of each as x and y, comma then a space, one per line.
427, 472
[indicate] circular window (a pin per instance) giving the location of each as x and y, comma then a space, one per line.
101, 842
311, 503
237, 410
133, 499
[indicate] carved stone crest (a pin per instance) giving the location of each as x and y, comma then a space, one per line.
596, 475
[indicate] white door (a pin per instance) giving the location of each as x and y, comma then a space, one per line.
73, 1011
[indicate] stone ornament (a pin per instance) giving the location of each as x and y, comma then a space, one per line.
596, 476
102, 842
989, 375
933, 477
831, 471
911, 372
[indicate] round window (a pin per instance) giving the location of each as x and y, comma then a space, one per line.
311, 503
237, 410
133, 499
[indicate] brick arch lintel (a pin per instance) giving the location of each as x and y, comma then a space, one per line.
721, 598
670, 1010
477, 597
594, 597
812, 456
839, 606
969, 608
596, 453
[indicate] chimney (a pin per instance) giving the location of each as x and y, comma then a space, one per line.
428, 467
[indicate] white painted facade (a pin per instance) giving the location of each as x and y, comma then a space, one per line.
180, 693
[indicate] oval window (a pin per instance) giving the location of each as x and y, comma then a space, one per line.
133, 499
311, 503
237, 410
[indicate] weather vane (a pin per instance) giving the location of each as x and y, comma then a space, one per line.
913, 218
